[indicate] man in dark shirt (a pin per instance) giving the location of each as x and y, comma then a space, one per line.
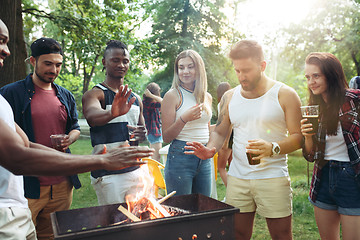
42, 108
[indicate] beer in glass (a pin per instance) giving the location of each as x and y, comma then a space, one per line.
311, 113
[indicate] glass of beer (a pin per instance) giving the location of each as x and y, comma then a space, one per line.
311, 113
252, 161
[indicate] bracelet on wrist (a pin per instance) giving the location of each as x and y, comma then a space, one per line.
182, 120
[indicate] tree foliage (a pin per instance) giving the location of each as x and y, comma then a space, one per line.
84, 26
10, 14
183, 24
332, 26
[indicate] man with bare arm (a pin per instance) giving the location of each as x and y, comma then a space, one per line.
109, 124
265, 116
19, 156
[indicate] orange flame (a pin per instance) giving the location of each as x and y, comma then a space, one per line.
145, 188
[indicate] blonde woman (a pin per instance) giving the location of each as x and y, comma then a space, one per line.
186, 114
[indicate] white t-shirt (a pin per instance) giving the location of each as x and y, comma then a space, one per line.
259, 118
11, 186
336, 148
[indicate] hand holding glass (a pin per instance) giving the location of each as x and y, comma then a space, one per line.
251, 160
311, 113
132, 139
56, 140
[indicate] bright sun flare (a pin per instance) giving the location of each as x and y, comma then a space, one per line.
257, 18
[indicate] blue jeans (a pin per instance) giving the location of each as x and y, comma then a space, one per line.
338, 189
186, 174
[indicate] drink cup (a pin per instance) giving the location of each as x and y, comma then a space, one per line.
250, 158
311, 113
56, 141
133, 142
132, 139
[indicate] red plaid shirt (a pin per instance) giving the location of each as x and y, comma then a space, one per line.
151, 113
349, 119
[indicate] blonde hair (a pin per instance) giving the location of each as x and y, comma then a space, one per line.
200, 89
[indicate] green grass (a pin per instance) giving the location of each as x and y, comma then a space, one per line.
84, 196
304, 225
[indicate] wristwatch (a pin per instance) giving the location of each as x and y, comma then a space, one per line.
275, 149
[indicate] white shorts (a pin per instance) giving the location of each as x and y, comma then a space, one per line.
16, 224
112, 189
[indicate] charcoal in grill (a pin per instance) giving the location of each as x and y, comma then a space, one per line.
175, 211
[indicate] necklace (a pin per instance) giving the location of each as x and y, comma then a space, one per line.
112, 89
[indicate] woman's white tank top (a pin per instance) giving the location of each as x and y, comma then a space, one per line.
259, 118
197, 130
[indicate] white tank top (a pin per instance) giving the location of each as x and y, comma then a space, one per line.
259, 118
11, 186
197, 130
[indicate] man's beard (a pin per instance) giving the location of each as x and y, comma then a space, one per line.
253, 84
43, 78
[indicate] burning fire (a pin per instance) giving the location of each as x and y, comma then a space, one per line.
143, 204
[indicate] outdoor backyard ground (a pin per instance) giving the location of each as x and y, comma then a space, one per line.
304, 226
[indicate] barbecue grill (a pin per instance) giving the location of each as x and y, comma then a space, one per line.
199, 217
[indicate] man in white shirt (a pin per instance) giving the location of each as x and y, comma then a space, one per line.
19, 156
265, 115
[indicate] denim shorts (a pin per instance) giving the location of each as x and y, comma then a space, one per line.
153, 139
186, 174
338, 189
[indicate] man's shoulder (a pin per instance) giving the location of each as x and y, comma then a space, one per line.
288, 97
61, 88
18, 85
63, 91
286, 89
94, 93
228, 94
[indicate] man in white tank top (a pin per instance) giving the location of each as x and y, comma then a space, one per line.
265, 115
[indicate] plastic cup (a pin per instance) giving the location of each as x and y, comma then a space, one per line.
133, 141
250, 160
56, 141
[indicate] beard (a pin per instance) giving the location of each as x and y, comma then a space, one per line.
252, 84
45, 77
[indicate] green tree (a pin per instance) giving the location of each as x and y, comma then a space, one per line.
185, 24
84, 26
332, 26
10, 14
